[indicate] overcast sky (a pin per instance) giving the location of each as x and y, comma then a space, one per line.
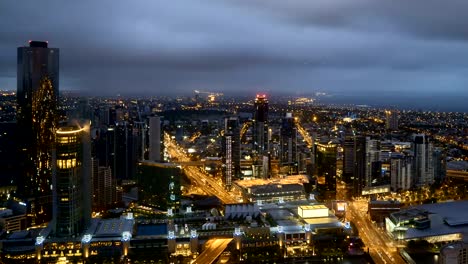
411, 53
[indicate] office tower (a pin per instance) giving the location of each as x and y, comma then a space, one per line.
423, 160
72, 182
125, 151
260, 125
359, 174
103, 146
391, 120
325, 169
401, 173
104, 187
37, 98
163, 191
231, 149
373, 163
440, 165
348, 159
288, 143
155, 138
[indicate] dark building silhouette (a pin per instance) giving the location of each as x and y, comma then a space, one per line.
260, 125
37, 116
125, 152
231, 149
359, 175
104, 187
115, 147
325, 169
348, 160
288, 143
159, 185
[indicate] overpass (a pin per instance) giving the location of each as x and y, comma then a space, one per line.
213, 249
458, 175
179, 163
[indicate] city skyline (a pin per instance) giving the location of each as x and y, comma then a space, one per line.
362, 52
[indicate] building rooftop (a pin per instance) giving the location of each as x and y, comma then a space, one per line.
445, 219
313, 207
453, 213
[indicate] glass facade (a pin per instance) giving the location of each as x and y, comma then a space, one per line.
37, 97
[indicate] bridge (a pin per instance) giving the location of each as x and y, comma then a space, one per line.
213, 249
180, 163
458, 175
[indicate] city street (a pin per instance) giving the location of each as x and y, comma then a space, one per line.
381, 247
205, 181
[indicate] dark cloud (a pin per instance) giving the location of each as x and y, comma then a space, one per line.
297, 46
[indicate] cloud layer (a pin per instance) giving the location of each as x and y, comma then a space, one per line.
398, 49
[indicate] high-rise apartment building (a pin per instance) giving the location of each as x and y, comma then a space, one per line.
391, 122
359, 175
288, 143
37, 98
373, 162
72, 181
440, 165
348, 159
155, 138
104, 187
231, 149
401, 173
325, 170
423, 160
260, 125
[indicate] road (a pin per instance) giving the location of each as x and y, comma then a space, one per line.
305, 135
381, 246
205, 181
213, 248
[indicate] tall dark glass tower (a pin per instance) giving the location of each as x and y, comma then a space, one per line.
231, 149
325, 170
37, 97
260, 122
288, 141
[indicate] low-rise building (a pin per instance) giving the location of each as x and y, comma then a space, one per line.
441, 222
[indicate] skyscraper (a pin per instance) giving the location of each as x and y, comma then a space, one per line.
37, 98
348, 159
423, 160
231, 149
354, 162
401, 173
260, 122
325, 161
359, 175
288, 143
391, 120
155, 138
373, 163
72, 192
